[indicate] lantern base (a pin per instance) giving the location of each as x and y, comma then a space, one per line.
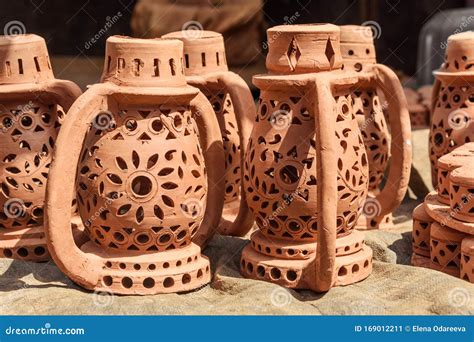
291, 264
172, 271
29, 244
366, 223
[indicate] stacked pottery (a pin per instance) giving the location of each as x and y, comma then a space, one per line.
148, 158
452, 110
206, 68
306, 166
32, 111
358, 53
443, 226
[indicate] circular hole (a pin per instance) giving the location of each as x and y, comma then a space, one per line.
119, 237
127, 282
179, 263
291, 275
165, 238
442, 253
199, 274
46, 118
342, 271
289, 174
279, 251
367, 51
346, 249
152, 267
131, 125
216, 106
107, 280
157, 125
294, 226
366, 263
122, 266
249, 268
351, 52
166, 265
263, 110
26, 121
471, 98
261, 271
40, 250
7, 122
268, 250
137, 267
456, 98
189, 260
143, 238
438, 139
291, 251
141, 185
178, 122
355, 268
345, 109
7, 253
108, 264
149, 283
168, 282
275, 273
23, 252
358, 67
186, 279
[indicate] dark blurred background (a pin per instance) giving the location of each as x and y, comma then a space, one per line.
68, 26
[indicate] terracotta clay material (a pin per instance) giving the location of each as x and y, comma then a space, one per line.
136, 149
31, 112
306, 166
449, 213
418, 107
205, 67
358, 53
452, 121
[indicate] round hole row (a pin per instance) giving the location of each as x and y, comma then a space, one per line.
290, 252
274, 273
342, 272
150, 267
149, 282
23, 252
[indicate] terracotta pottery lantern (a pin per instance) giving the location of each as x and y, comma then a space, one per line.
139, 146
205, 67
306, 166
452, 110
358, 54
443, 226
32, 105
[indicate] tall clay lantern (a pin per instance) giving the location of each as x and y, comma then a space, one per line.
135, 150
358, 53
306, 167
452, 116
205, 67
32, 105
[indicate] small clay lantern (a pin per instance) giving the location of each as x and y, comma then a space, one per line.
135, 150
445, 221
358, 54
306, 166
31, 112
452, 112
205, 67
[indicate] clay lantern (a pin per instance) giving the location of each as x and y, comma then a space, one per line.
443, 226
452, 110
143, 154
206, 68
306, 166
32, 110
358, 54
